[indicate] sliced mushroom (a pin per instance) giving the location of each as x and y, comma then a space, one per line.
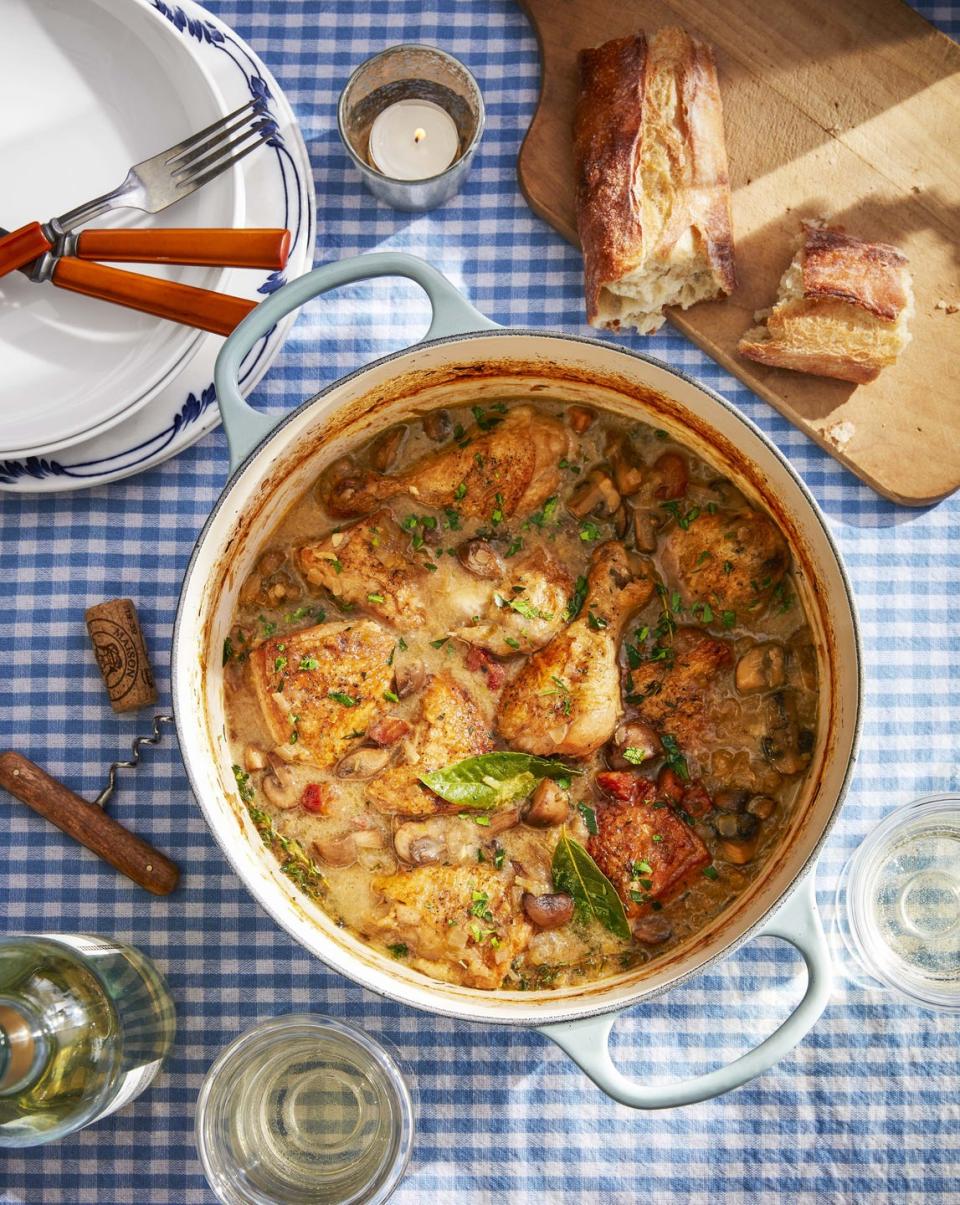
548, 911
639, 738
764, 667
669, 474
409, 676
627, 473
388, 730
581, 418
762, 806
595, 495
436, 425
652, 930
621, 522
364, 763
501, 821
254, 758
548, 805
386, 447
280, 787
336, 851
646, 525
731, 800
739, 852
784, 746
736, 825
438, 839
480, 558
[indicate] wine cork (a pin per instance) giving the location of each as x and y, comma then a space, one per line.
121, 654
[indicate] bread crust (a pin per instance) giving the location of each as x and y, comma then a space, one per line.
869, 275
845, 314
613, 118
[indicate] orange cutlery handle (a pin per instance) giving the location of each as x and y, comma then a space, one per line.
19, 247
216, 312
219, 248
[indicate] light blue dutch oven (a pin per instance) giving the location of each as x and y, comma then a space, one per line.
467, 358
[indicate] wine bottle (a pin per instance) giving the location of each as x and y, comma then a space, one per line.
85, 1024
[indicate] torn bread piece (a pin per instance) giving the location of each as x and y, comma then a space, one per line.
843, 309
653, 194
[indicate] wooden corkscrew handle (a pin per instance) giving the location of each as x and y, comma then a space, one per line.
88, 824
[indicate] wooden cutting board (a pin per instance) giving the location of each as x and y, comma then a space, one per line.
847, 111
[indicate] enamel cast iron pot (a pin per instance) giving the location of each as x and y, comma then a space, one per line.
465, 358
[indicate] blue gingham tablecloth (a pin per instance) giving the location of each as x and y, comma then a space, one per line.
865, 1109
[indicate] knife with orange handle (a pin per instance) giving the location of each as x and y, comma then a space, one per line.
218, 313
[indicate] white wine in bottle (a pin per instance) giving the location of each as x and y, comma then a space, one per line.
85, 1024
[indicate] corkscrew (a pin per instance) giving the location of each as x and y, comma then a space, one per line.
122, 658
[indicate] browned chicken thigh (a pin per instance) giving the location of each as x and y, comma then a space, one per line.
511, 466
566, 699
524, 608
462, 926
674, 694
451, 727
319, 688
732, 561
370, 565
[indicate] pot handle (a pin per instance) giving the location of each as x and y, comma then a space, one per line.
587, 1041
246, 427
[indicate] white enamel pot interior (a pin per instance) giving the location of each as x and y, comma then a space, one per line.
466, 359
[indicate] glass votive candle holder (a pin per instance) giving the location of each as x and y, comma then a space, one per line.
411, 119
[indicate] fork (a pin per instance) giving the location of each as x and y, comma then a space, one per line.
153, 184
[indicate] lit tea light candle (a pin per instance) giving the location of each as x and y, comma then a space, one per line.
413, 140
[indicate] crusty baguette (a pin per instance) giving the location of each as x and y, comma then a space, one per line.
653, 196
843, 309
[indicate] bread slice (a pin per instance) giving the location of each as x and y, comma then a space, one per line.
653, 196
843, 309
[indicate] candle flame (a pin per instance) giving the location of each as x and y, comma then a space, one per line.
419, 134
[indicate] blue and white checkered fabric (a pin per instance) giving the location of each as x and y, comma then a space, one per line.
864, 1110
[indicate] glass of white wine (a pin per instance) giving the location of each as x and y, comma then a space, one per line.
85, 1024
304, 1108
898, 904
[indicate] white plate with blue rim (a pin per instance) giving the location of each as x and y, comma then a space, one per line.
272, 187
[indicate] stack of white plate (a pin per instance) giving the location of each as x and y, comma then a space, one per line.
91, 392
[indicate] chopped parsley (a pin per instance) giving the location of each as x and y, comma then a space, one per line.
438, 644
453, 518
244, 785
309, 663
269, 627
514, 547
684, 520
460, 492
344, 700
675, 759
542, 517
398, 950
391, 696
577, 599
509, 640
496, 517
589, 531
728, 618
596, 622
711, 872
589, 817
635, 756
280, 664
499, 854
227, 650
375, 598
703, 611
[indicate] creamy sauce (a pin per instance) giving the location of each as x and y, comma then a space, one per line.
732, 751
